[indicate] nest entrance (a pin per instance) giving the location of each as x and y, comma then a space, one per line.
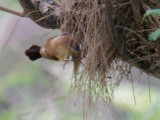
85, 20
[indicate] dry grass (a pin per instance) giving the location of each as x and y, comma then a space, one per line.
85, 21
103, 71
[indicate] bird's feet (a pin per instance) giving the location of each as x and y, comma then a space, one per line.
66, 61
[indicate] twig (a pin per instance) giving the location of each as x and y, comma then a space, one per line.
149, 87
135, 4
155, 18
143, 39
136, 8
11, 11
121, 6
133, 90
43, 18
111, 25
147, 30
30, 13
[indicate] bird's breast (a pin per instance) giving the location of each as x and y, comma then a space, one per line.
62, 53
58, 48
58, 53
43, 52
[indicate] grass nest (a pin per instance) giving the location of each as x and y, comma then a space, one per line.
103, 70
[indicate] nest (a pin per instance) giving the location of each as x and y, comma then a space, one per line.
85, 21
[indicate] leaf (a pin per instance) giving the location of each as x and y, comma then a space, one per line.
154, 35
155, 12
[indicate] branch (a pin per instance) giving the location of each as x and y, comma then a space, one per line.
11, 11
50, 20
111, 28
124, 55
32, 10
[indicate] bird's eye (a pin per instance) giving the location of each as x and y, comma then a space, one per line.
76, 47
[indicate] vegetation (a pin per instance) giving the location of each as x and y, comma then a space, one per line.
23, 83
156, 34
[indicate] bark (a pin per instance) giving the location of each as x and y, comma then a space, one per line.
48, 20
145, 66
31, 9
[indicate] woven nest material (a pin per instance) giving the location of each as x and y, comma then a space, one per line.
85, 21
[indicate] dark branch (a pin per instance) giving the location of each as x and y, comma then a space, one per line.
142, 65
47, 20
112, 30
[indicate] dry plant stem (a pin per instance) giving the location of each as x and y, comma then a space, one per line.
149, 86
140, 37
111, 27
155, 18
11, 11
136, 8
136, 11
144, 67
31, 9
122, 5
124, 54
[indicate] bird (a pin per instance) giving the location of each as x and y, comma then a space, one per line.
57, 48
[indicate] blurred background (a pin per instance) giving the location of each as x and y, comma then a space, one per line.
39, 90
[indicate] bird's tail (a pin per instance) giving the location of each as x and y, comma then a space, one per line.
76, 61
76, 68
33, 52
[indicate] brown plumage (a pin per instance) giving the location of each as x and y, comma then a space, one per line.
58, 49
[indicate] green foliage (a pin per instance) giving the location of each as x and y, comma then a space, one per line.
76, 115
155, 12
20, 75
144, 110
154, 35
8, 115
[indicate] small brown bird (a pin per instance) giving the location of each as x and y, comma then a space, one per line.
58, 49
